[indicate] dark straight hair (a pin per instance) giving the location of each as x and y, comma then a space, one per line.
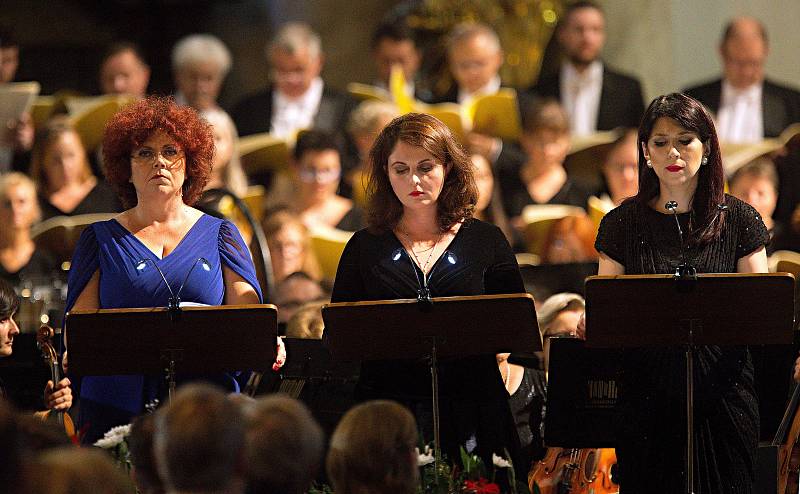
9, 302
709, 198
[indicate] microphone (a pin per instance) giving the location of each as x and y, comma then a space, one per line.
423, 292
174, 301
684, 270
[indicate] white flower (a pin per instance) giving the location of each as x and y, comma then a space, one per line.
500, 462
114, 436
424, 458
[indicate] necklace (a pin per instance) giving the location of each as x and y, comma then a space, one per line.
422, 266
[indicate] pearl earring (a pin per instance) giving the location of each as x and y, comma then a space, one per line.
704, 161
649, 163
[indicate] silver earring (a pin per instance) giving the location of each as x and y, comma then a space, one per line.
649, 163
704, 161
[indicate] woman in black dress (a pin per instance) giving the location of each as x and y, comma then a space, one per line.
680, 161
422, 240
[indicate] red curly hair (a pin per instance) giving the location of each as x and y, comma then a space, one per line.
134, 124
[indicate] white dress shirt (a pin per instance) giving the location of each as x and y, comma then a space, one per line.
492, 87
291, 115
580, 96
739, 118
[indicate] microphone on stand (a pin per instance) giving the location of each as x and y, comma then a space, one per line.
174, 301
684, 270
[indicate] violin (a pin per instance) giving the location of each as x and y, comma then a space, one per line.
787, 439
575, 471
44, 340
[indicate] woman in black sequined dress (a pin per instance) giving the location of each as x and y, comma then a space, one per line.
679, 160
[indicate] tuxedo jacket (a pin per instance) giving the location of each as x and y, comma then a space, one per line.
253, 114
621, 100
780, 105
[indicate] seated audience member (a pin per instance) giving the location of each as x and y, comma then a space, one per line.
144, 470
306, 323
621, 171
316, 170
541, 177
595, 96
64, 177
289, 246
366, 122
72, 470
199, 442
200, 63
17, 136
373, 450
285, 446
569, 240
490, 205
124, 71
298, 98
56, 397
293, 292
393, 45
20, 259
756, 183
226, 170
748, 106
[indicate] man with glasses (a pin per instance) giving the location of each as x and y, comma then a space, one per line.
298, 98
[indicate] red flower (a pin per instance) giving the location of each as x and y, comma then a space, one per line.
481, 486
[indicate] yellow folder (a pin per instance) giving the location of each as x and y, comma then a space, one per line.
261, 152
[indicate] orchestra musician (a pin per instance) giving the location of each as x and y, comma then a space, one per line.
679, 160
158, 157
423, 242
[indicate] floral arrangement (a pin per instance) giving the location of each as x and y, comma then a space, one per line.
115, 441
471, 477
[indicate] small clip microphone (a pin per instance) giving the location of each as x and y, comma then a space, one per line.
174, 302
684, 270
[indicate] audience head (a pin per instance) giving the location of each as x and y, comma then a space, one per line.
393, 44
744, 49
621, 168
316, 165
9, 303
124, 71
199, 440
58, 158
19, 207
428, 140
73, 470
756, 183
284, 446
582, 33
295, 55
293, 292
156, 132
289, 245
570, 239
681, 113
367, 121
307, 322
226, 169
545, 132
484, 181
144, 470
200, 63
9, 56
558, 318
474, 54
373, 450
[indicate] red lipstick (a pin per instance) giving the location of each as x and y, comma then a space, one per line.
674, 168
416, 193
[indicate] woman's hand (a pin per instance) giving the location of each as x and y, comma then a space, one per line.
581, 328
58, 397
280, 357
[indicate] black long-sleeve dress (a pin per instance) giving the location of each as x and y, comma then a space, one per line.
474, 401
651, 433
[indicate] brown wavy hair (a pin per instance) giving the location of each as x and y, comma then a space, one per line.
46, 137
459, 193
134, 124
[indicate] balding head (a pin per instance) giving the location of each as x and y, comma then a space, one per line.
744, 50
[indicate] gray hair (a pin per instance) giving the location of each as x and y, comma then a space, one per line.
367, 114
468, 30
197, 48
296, 36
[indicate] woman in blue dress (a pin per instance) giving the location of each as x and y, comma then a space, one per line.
158, 157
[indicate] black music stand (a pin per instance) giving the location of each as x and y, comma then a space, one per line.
665, 310
152, 341
446, 327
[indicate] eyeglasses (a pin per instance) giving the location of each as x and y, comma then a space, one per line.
147, 156
323, 176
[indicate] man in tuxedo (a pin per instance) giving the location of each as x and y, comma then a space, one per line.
298, 98
596, 97
748, 106
393, 44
